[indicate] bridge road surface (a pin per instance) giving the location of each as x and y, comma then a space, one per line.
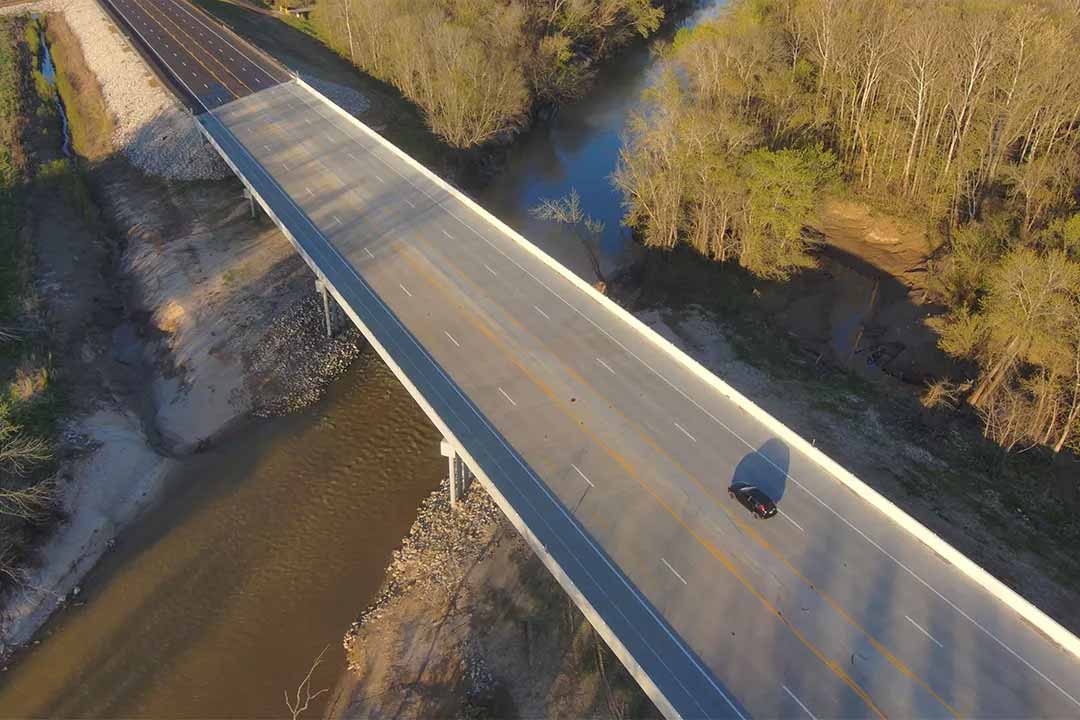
616, 456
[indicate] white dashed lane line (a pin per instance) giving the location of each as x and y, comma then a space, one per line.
507, 396
924, 632
800, 703
685, 432
583, 476
673, 570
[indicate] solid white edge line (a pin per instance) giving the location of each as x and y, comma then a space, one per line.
800, 702
1054, 630
674, 571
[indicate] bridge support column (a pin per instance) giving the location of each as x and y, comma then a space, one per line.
320, 287
251, 201
458, 472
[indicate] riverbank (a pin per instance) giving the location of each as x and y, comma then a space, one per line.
469, 623
170, 313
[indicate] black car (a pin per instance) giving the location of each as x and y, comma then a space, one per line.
753, 499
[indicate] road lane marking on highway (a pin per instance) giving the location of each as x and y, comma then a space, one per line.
541, 487
447, 234
895, 661
223, 39
284, 165
507, 396
267, 148
712, 549
789, 519
451, 338
537, 309
921, 629
488, 268
800, 703
583, 476
379, 178
685, 432
405, 289
606, 366
409, 203
368, 251
336, 219
327, 136
310, 194
674, 571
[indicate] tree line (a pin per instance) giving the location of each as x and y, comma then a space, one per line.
477, 68
961, 112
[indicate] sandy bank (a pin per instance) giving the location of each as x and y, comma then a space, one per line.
175, 317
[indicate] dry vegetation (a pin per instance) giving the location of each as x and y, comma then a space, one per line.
28, 397
961, 113
478, 68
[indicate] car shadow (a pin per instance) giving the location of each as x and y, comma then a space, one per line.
765, 468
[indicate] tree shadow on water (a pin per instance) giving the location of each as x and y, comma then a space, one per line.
765, 468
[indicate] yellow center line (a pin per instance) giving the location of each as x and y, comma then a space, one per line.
629, 468
765, 544
181, 44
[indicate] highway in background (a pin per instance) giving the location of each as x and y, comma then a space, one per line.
615, 456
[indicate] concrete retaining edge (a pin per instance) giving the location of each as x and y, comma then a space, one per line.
991, 584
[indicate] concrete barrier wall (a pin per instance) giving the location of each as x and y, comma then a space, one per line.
1025, 609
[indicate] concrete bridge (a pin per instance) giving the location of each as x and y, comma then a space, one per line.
609, 449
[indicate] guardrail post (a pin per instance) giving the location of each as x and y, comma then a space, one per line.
251, 201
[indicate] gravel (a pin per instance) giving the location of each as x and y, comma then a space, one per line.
298, 359
346, 98
434, 556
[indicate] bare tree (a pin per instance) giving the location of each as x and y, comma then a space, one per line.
304, 696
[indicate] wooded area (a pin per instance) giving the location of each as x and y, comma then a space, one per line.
963, 113
476, 67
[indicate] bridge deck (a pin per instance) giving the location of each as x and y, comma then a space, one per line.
611, 456
618, 458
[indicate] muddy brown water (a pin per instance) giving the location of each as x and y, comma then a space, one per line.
258, 557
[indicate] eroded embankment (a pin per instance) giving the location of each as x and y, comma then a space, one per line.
469, 623
170, 313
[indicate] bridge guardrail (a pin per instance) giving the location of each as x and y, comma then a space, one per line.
1028, 611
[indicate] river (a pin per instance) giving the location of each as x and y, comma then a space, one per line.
267, 546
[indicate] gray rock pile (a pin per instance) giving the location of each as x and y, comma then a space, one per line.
346, 98
295, 361
434, 556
